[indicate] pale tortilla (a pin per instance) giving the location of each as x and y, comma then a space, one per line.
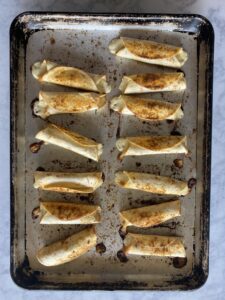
69, 140
68, 182
151, 183
153, 82
69, 213
52, 103
150, 145
50, 72
154, 245
147, 109
68, 249
149, 52
151, 215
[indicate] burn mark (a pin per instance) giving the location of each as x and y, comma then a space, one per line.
40, 169
191, 183
35, 147
36, 213
179, 262
122, 233
32, 107
138, 164
100, 248
52, 41
122, 257
178, 163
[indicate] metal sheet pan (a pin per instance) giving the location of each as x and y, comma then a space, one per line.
81, 40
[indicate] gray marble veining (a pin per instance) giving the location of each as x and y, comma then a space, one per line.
215, 12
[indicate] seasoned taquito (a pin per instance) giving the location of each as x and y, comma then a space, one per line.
52, 103
68, 182
150, 215
148, 145
68, 249
151, 183
152, 82
70, 140
50, 72
147, 109
153, 245
149, 52
68, 213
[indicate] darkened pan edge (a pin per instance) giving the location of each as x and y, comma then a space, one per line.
20, 32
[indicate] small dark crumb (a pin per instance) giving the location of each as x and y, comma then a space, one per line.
35, 147
179, 262
89, 160
175, 132
138, 164
32, 107
122, 233
118, 132
100, 248
170, 121
71, 122
52, 41
40, 169
103, 177
121, 256
114, 78
191, 183
84, 198
35, 213
178, 163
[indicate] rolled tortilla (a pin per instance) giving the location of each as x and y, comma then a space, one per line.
151, 183
69, 213
153, 245
147, 109
68, 182
148, 145
149, 52
153, 82
50, 72
52, 103
69, 140
151, 215
68, 249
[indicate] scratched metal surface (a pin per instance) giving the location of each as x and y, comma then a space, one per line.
83, 43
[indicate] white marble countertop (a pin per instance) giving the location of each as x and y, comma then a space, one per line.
215, 12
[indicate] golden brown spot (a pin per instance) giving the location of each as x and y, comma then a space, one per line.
147, 49
157, 142
151, 110
156, 81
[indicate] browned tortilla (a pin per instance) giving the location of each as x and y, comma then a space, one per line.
150, 50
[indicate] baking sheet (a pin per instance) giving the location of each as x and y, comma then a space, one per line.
82, 41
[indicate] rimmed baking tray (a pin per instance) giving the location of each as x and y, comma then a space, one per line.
81, 40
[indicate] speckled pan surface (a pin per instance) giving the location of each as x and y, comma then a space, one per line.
82, 40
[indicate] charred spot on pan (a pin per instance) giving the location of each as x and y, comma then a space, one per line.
100, 248
40, 169
179, 262
178, 163
122, 257
35, 213
52, 41
122, 233
191, 183
175, 132
170, 121
35, 147
103, 177
32, 107
138, 164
